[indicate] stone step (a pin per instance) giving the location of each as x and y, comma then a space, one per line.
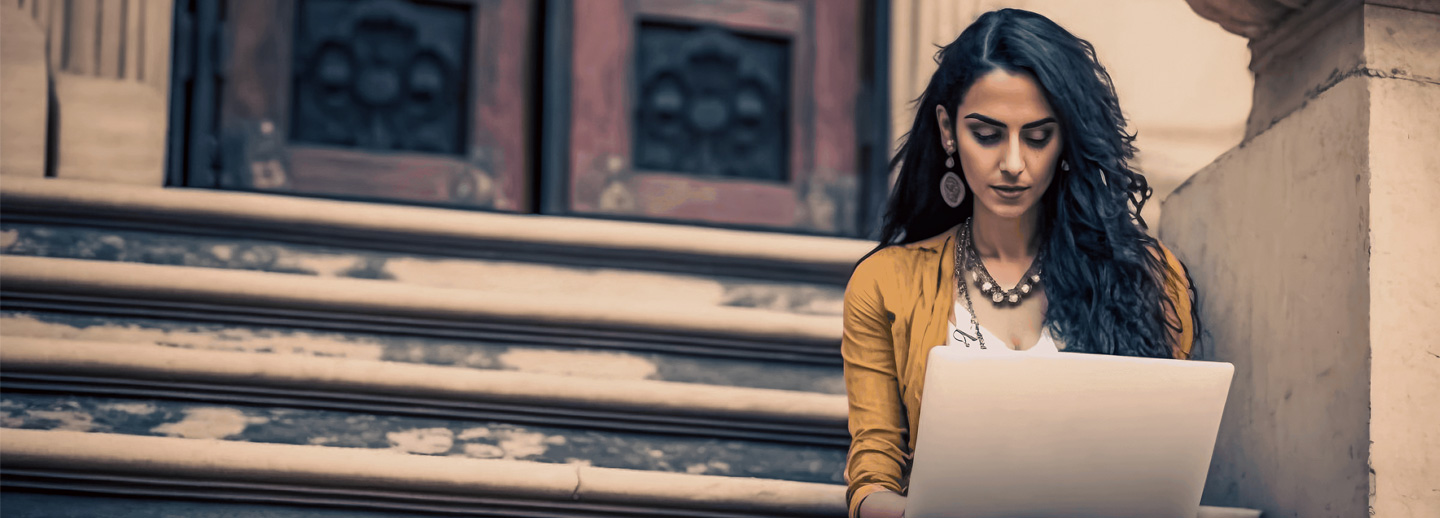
496, 275
246, 418
237, 297
411, 231
144, 390
50, 472
116, 370
216, 309
282, 341
162, 471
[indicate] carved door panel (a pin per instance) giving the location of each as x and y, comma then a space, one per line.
732, 112
401, 100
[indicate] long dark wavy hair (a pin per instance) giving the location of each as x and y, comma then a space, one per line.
1104, 275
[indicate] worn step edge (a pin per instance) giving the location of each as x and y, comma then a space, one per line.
89, 454
707, 406
207, 467
136, 284
446, 232
138, 246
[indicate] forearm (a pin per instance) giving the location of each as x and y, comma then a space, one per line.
877, 420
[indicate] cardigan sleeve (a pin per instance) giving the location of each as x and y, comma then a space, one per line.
877, 420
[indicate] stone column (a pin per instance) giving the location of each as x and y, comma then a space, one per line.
100, 109
1314, 244
23, 81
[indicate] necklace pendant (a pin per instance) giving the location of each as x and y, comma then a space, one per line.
998, 297
1014, 298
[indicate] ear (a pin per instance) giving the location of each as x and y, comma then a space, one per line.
947, 129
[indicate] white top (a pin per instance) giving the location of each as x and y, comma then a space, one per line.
962, 336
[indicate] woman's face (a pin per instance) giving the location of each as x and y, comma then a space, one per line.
1008, 142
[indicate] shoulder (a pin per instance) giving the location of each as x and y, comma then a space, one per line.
1174, 269
1163, 252
1179, 312
875, 269
901, 261
1173, 273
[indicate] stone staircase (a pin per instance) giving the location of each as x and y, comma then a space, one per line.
181, 352
198, 353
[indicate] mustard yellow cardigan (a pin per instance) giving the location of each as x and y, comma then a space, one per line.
897, 306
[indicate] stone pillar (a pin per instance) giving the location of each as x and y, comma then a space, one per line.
1314, 244
23, 94
107, 64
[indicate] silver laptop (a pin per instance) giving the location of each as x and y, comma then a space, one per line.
1033, 435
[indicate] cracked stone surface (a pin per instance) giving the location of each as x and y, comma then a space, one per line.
424, 436
408, 349
492, 275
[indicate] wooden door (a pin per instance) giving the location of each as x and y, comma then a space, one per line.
730, 112
395, 100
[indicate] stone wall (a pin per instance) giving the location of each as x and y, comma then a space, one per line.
1274, 234
1401, 48
1313, 244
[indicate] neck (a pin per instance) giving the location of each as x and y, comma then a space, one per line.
1006, 239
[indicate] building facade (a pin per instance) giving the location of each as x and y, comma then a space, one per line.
586, 257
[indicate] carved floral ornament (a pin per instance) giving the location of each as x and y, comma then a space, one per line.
1250, 18
712, 103
374, 80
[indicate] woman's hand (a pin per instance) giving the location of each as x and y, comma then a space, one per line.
884, 504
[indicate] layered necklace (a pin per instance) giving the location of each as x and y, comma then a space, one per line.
970, 258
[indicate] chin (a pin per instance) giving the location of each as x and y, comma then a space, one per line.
1007, 209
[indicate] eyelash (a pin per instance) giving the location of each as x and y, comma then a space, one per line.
990, 139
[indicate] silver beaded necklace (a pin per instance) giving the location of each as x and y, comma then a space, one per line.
967, 258
981, 277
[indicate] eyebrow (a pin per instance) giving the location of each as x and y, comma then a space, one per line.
994, 122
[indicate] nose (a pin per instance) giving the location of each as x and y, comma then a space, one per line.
1014, 163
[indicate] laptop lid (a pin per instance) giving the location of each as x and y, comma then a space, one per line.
1011, 434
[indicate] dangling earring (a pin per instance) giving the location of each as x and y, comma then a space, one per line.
952, 190
1064, 166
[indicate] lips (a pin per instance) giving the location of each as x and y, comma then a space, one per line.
1009, 191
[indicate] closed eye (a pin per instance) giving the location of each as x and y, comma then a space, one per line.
986, 138
1038, 138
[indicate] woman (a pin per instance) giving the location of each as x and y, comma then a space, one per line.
1014, 224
